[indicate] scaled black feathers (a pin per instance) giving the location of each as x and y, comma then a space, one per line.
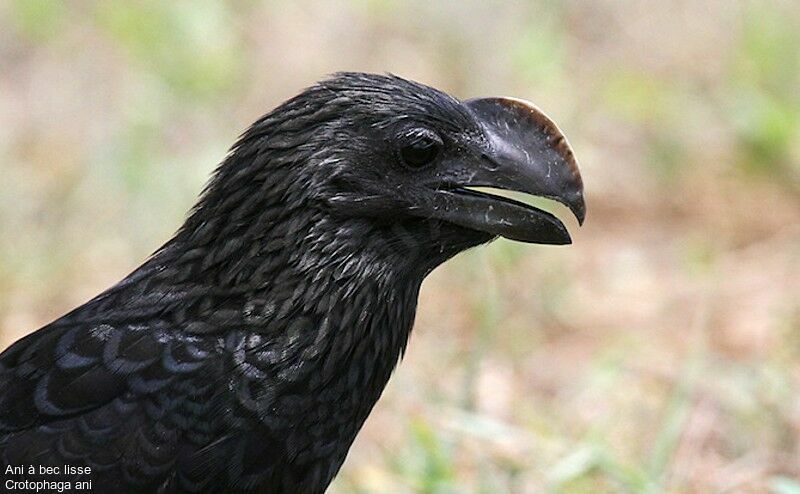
245, 355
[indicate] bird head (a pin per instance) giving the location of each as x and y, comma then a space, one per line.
391, 154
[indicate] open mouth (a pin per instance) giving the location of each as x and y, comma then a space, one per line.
496, 213
521, 150
516, 198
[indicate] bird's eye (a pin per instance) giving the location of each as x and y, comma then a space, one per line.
420, 149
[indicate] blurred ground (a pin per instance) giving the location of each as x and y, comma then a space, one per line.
659, 353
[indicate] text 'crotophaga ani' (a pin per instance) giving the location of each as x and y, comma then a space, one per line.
246, 353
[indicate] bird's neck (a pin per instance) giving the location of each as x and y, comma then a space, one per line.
319, 328
315, 309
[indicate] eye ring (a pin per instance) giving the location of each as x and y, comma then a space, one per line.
419, 148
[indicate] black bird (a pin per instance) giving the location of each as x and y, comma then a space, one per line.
246, 353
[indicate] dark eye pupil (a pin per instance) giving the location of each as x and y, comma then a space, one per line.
419, 153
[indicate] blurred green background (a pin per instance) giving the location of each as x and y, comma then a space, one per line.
659, 353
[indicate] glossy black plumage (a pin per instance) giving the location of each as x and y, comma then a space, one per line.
245, 355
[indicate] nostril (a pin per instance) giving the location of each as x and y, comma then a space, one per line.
489, 163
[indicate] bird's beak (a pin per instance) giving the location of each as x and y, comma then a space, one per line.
526, 153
